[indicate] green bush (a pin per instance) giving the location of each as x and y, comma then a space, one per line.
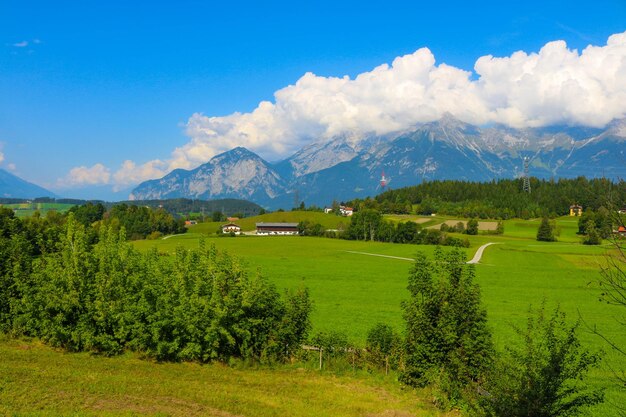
544, 376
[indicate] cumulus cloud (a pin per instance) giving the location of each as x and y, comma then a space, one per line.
130, 173
554, 85
97, 174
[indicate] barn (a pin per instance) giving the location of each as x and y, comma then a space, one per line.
281, 229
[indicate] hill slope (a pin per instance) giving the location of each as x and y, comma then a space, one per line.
12, 186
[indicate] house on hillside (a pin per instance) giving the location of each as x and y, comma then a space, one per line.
231, 228
277, 229
346, 211
232, 219
621, 231
190, 222
575, 210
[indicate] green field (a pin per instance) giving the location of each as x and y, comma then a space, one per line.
329, 221
353, 291
36, 380
353, 285
27, 209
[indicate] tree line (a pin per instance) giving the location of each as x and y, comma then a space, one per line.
498, 199
369, 224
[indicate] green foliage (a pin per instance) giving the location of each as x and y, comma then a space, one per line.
544, 377
446, 327
384, 347
380, 338
89, 213
308, 228
592, 235
201, 305
140, 221
502, 199
217, 216
545, 232
599, 220
500, 228
472, 227
369, 224
365, 224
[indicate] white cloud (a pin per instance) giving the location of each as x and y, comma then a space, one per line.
22, 44
130, 173
1, 157
554, 85
97, 174
11, 167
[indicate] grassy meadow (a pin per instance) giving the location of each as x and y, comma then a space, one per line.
249, 223
353, 290
36, 380
354, 285
27, 209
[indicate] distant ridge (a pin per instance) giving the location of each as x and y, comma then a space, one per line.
341, 168
12, 186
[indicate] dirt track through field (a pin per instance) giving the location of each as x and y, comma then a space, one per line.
477, 256
382, 256
479, 253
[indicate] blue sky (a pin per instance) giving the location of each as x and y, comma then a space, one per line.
86, 84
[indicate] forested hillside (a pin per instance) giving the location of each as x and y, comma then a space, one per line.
500, 199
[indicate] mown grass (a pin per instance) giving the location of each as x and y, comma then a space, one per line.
36, 380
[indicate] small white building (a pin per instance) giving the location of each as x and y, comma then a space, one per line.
346, 211
328, 210
231, 228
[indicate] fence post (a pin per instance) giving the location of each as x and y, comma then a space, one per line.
321, 358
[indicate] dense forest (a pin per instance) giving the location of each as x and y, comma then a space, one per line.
499, 199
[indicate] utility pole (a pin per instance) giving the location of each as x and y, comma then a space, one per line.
525, 177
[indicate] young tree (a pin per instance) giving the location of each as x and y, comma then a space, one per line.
543, 377
472, 227
545, 233
593, 237
446, 327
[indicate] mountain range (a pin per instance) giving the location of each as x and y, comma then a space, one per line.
12, 186
346, 167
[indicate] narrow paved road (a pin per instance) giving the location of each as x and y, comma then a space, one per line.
479, 253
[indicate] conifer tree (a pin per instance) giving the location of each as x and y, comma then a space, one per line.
545, 233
